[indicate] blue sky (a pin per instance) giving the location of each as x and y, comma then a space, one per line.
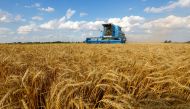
74, 20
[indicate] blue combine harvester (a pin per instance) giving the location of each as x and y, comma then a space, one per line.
111, 34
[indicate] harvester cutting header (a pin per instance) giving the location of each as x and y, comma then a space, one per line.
111, 34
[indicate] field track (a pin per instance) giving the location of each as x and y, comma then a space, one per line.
81, 76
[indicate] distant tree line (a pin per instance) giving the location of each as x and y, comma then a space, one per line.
68, 42
55, 42
167, 41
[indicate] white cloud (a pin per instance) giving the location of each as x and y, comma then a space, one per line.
74, 25
82, 14
183, 3
19, 18
5, 17
96, 25
136, 27
48, 9
69, 25
170, 6
64, 23
70, 13
52, 24
27, 29
170, 27
5, 31
38, 6
127, 23
35, 5
170, 22
130, 9
81, 25
39, 18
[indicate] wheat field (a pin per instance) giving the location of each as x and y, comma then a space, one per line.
82, 76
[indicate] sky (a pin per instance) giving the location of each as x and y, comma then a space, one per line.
74, 20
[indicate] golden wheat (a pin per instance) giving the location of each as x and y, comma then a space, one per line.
82, 76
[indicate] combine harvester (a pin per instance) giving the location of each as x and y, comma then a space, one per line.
111, 34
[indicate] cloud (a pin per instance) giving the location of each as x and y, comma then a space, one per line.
168, 23
5, 31
69, 30
79, 30
74, 25
170, 27
65, 23
52, 24
27, 29
19, 18
70, 25
82, 14
137, 28
127, 22
6, 17
48, 9
38, 6
35, 5
81, 25
170, 6
93, 25
39, 18
70, 13
130, 9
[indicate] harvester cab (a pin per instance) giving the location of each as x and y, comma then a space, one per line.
110, 34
